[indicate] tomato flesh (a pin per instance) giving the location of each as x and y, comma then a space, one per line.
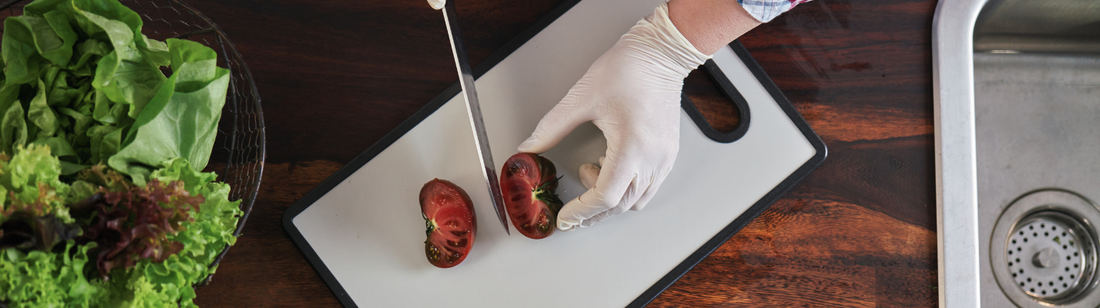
528, 182
450, 222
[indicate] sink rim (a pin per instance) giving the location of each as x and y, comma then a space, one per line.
955, 152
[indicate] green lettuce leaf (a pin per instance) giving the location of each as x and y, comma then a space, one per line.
13, 125
21, 59
182, 119
46, 279
204, 238
82, 78
31, 177
41, 115
130, 74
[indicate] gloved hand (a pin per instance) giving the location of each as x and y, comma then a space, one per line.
632, 93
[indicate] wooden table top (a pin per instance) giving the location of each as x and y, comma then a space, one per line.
337, 75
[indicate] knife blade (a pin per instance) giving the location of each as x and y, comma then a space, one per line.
473, 108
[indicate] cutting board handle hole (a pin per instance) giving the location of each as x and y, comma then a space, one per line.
722, 120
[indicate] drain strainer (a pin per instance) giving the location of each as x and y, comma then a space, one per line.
1044, 257
1043, 250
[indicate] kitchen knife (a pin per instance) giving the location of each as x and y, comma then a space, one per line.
473, 109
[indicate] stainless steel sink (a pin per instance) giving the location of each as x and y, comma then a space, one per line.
1017, 103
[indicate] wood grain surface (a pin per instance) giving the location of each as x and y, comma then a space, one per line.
337, 75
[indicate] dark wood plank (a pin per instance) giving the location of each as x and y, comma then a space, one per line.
717, 109
824, 246
337, 75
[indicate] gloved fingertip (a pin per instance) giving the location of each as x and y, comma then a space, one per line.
565, 225
528, 145
568, 218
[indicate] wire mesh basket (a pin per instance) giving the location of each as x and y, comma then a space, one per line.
239, 150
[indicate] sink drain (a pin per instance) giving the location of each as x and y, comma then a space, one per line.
1044, 257
1043, 250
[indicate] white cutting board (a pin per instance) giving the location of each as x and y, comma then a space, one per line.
367, 231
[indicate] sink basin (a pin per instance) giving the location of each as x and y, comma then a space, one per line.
1017, 105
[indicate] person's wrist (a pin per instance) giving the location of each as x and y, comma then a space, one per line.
710, 24
657, 40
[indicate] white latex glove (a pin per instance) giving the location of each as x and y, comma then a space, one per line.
632, 93
437, 4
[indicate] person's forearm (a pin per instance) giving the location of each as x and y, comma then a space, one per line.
710, 24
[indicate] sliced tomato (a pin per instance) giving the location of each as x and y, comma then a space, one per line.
450, 222
528, 182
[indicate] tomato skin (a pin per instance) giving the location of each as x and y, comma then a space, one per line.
450, 223
528, 182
